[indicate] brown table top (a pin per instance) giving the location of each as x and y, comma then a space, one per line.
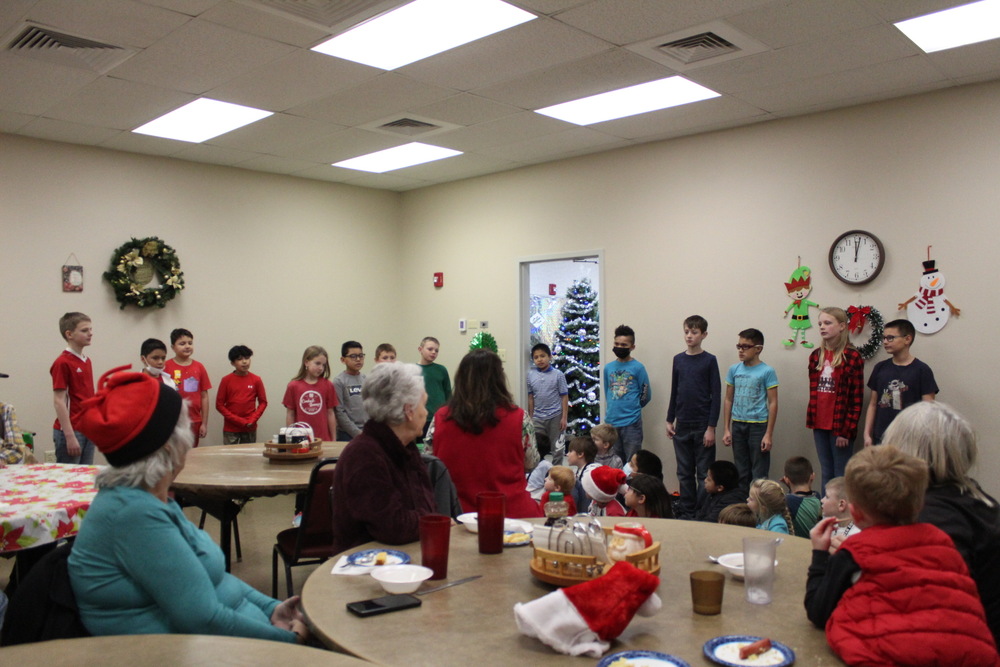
169, 651
465, 624
237, 471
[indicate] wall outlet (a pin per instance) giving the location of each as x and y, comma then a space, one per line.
484, 324
50, 457
502, 353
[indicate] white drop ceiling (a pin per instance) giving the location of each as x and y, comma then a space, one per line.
818, 55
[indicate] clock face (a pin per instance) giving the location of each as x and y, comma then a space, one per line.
857, 257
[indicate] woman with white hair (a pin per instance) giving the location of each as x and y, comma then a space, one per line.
380, 485
955, 502
139, 566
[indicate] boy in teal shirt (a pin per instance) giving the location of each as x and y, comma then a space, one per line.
626, 389
750, 409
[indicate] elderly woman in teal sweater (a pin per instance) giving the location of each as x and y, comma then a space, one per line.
139, 566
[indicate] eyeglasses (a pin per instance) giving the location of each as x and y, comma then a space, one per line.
889, 339
356, 357
742, 347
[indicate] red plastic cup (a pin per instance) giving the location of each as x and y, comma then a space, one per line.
490, 508
435, 534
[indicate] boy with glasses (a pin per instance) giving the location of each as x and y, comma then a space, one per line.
896, 383
750, 409
350, 411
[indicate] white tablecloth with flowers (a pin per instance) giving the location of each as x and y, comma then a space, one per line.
43, 503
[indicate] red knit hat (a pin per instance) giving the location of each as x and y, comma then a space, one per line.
603, 483
131, 416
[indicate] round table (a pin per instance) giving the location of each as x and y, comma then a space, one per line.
465, 623
221, 479
170, 651
42, 503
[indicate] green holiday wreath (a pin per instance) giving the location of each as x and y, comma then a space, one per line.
483, 340
136, 264
857, 316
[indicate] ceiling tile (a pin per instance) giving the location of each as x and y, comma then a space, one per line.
460, 166
548, 6
11, 121
465, 109
13, 12
969, 61
516, 127
379, 181
279, 132
32, 86
791, 22
214, 154
247, 19
527, 47
385, 95
119, 22
71, 133
625, 21
114, 103
894, 11
298, 78
842, 52
342, 146
143, 143
189, 7
599, 73
887, 79
561, 144
199, 56
276, 165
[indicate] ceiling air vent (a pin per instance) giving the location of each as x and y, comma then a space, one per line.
61, 48
701, 45
410, 126
698, 47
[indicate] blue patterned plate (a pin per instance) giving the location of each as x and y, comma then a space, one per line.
643, 659
725, 651
367, 557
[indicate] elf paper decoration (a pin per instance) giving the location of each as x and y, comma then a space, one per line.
798, 288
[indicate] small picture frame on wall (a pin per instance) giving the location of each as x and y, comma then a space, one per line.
72, 276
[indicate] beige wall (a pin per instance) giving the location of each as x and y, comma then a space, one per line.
272, 262
714, 225
710, 224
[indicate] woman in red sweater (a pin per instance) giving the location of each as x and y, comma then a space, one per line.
485, 440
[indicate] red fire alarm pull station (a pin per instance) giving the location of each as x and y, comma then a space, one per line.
552, 289
439, 279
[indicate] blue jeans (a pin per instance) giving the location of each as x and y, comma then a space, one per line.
629, 441
750, 461
832, 459
86, 456
693, 459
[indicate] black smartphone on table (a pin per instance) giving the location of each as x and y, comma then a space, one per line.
383, 605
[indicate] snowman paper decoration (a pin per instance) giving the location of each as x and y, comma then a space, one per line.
928, 310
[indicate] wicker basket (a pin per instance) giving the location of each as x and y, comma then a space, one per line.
562, 569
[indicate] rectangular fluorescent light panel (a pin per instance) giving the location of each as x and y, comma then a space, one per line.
958, 26
391, 159
421, 29
202, 120
642, 98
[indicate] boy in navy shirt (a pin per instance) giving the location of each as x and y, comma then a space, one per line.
692, 415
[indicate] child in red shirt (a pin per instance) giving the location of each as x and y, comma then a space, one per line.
191, 379
241, 399
72, 383
311, 397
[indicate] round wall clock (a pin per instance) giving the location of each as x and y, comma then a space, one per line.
857, 257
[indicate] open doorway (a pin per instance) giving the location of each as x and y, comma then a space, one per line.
560, 299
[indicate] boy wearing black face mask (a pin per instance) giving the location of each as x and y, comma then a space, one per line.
626, 390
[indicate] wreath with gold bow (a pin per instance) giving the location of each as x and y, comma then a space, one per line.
137, 264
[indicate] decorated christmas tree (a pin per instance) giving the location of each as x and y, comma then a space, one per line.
576, 353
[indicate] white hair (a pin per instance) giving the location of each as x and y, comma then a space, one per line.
150, 469
389, 388
938, 434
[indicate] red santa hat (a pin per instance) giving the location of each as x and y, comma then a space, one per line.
583, 619
603, 483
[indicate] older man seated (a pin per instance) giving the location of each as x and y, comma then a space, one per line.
381, 487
